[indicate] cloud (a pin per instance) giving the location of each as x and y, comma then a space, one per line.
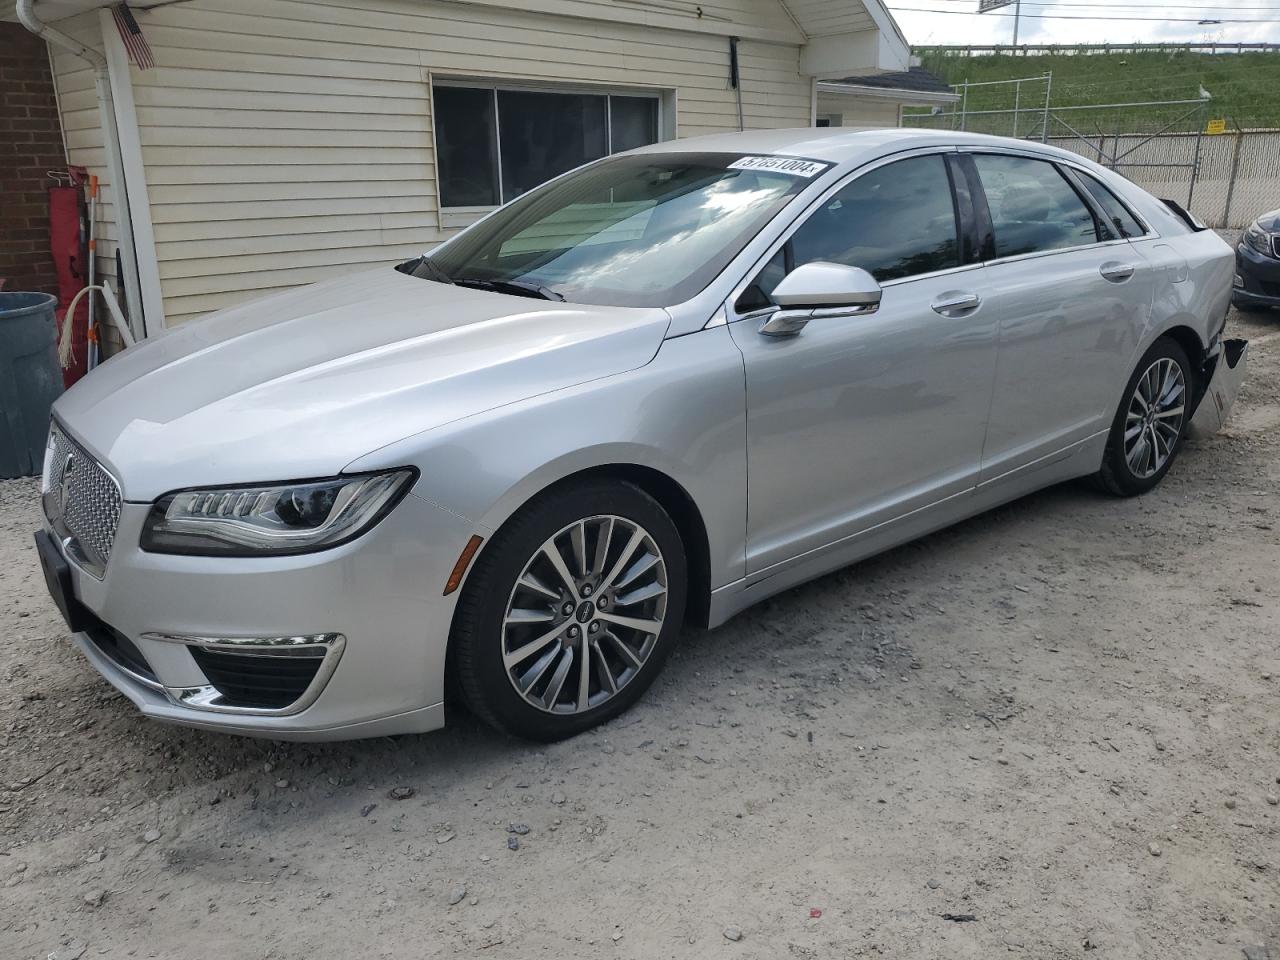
923, 29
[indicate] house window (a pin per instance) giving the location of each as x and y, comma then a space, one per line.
494, 144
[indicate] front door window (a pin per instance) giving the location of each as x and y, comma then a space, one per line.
896, 221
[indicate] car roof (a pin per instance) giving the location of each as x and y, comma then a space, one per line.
840, 144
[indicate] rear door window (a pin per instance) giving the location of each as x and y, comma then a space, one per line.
1033, 207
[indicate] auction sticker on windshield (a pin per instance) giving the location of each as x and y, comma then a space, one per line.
790, 165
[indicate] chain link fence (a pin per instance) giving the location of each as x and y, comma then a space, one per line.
1227, 180
1167, 147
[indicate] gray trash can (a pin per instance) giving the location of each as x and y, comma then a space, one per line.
30, 379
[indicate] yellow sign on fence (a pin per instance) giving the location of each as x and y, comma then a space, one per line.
1216, 126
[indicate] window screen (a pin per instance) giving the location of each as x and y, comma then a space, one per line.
1121, 221
494, 145
467, 155
1033, 207
633, 122
544, 134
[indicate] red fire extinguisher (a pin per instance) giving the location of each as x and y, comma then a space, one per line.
69, 243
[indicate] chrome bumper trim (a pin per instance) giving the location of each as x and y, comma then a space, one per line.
208, 698
1224, 386
131, 674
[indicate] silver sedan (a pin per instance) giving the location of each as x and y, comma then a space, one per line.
649, 393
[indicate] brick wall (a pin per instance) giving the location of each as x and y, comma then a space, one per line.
30, 145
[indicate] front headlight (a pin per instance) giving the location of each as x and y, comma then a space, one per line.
272, 520
1258, 238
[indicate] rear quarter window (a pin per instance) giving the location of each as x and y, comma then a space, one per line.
1119, 219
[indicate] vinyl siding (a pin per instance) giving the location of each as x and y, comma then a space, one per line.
82, 130
284, 142
856, 111
756, 19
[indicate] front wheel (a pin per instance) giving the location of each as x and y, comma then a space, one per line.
571, 611
1150, 426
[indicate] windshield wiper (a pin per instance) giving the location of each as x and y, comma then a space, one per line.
519, 288
426, 270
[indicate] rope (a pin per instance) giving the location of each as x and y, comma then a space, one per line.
65, 351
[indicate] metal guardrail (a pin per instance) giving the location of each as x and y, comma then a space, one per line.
1023, 48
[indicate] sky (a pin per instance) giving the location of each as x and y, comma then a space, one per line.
956, 21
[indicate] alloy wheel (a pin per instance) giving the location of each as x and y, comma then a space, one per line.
1153, 422
584, 614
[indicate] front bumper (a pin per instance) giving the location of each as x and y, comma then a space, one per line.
1258, 276
371, 611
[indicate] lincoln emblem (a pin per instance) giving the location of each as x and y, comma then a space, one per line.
64, 489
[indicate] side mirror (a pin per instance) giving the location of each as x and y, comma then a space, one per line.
820, 289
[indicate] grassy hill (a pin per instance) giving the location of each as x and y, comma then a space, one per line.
1245, 86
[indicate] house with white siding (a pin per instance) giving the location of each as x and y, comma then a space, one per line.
262, 145
879, 101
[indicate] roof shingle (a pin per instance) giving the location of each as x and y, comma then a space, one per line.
917, 78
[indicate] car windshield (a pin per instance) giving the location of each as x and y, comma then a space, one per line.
644, 230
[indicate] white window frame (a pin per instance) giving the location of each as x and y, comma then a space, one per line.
465, 216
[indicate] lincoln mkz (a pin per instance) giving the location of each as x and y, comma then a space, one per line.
646, 394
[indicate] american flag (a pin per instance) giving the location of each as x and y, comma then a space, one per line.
131, 34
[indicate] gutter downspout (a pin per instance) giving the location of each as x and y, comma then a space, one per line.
735, 77
111, 140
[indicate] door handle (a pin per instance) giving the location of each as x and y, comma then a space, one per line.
954, 304
1116, 272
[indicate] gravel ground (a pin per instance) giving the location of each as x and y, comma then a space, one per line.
1061, 719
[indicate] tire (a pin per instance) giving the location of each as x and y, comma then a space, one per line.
521, 696
1128, 468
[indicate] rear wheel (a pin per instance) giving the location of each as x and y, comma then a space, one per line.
1150, 426
571, 611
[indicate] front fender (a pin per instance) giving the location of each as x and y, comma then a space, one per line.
683, 414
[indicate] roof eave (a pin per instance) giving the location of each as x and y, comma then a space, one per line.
896, 94
51, 11
861, 54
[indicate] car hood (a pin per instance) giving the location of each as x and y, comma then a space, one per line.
1270, 221
302, 383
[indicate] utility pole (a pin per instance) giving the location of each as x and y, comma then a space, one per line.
986, 6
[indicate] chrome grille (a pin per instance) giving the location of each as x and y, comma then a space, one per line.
81, 501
